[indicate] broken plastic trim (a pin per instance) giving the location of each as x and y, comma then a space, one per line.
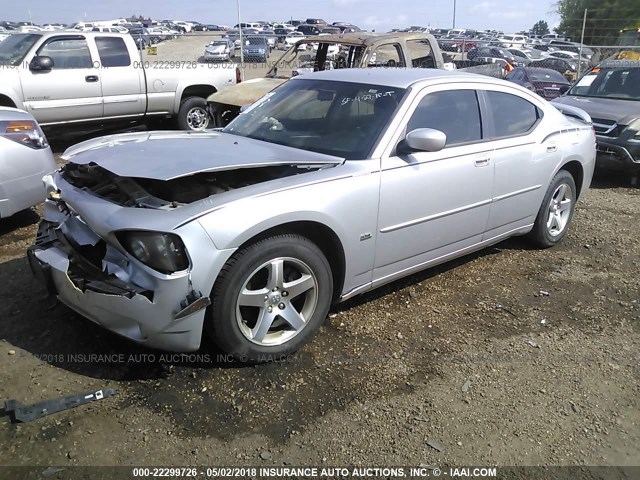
193, 303
82, 273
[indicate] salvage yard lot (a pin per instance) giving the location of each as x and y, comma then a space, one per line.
473, 356
512, 356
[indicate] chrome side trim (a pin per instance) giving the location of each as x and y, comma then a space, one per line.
417, 221
517, 192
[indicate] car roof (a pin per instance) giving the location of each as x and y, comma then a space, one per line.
369, 38
393, 77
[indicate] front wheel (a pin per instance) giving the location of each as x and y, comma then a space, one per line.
270, 298
193, 115
556, 211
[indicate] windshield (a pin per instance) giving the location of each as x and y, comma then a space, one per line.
620, 83
218, 43
336, 118
14, 48
255, 41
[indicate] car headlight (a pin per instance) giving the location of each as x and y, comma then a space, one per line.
163, 252
635, 125
26, 132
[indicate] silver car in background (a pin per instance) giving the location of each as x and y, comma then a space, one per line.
25, 157
333, 184
219, 50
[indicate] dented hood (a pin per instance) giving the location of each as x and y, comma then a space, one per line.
169, 155
245, 93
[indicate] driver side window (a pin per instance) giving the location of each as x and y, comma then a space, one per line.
68, 53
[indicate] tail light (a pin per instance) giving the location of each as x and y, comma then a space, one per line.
26, 132
238, 75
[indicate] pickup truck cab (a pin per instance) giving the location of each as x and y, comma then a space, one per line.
64, 78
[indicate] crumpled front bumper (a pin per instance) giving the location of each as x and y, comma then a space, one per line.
101, 283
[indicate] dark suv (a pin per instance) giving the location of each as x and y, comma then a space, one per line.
308, 29
610, 93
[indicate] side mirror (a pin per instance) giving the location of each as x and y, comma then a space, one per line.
41, 64
425, 140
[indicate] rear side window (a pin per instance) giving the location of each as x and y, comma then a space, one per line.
454, 112
512, 115
113, 52
420, 54
388, 55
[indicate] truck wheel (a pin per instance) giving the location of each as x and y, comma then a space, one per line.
193, 115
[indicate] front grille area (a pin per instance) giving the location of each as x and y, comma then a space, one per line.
607, 128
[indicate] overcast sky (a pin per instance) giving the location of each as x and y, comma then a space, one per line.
382, 15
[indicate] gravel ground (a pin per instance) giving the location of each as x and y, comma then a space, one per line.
511, 356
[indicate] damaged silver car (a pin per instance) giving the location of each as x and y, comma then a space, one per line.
333, 184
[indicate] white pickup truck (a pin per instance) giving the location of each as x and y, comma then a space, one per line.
64, 78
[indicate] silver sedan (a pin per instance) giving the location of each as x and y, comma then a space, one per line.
333, 184
25, 157
220, 50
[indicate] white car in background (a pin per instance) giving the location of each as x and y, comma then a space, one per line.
25, 157
564, 54
514, 41
286, 26
292, 38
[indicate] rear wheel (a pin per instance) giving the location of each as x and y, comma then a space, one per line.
193, 115
270, 298
556, 211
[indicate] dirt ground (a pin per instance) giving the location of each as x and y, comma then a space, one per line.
512, 356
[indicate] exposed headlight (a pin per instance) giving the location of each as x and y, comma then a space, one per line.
163, 252
26, 132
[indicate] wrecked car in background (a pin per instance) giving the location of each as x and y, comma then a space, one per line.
335, 183
348, 50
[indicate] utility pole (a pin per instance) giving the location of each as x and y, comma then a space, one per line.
454, 14
584, 24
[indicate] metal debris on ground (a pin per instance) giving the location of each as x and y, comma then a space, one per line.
436, 445
466, 385
499, 306
27, 413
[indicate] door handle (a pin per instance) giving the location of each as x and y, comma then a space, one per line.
482, 162
552, 148
91, 78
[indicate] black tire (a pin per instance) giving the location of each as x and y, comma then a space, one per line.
188, 119
230, 325
543, 235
